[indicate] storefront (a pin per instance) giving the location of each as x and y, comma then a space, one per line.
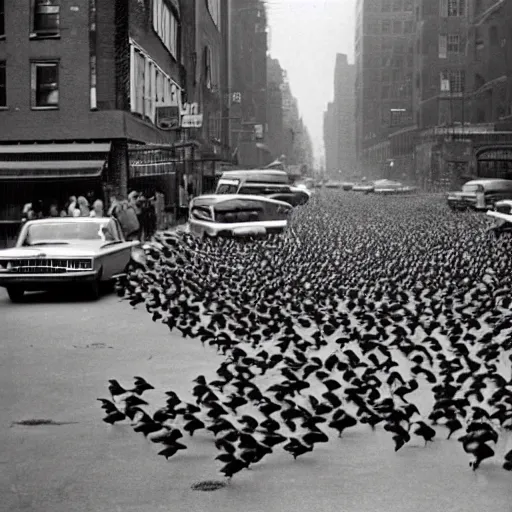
49, 173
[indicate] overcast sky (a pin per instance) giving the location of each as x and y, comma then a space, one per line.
305, 36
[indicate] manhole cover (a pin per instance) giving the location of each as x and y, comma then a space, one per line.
208, 485
36, 422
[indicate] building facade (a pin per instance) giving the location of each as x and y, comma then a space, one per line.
84, 85
384, 49
248, 93
339, 130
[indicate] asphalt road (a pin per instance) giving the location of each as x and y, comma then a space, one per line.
56, 358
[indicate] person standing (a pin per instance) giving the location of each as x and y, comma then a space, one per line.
97, 209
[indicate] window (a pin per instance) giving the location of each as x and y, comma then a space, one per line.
214, 10
453, 43
386, 5
2, 19
408, 5
166, 25
443, 42
384, 92
3, 85
45, 84
385, 26
150, 86
408, 27
452, 8
452, 81
397, 27
397, 5
46, 18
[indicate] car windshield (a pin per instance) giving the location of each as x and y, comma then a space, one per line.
65, 232
472, 188
227, 187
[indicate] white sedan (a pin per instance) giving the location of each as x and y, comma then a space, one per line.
65, 251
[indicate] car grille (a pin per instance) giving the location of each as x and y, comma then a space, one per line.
50, 266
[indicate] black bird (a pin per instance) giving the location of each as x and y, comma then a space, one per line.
452, 425
113, 414
233, 467
296, 448
341, 421
172, 449
192, 424
423, 430
508, 461
141, 385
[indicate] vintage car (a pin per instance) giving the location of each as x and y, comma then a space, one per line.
274, 184
391, 187
77, 251
363, 186
237, 215
480, 194
502, 215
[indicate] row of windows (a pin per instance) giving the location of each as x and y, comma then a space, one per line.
45, 21
44, 84
166, 25
397, 5
390, 27
44, 18
150, 86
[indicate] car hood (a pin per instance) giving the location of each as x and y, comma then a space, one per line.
460, 195
80, 249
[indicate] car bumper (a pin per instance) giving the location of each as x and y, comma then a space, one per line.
236, 230
43, 281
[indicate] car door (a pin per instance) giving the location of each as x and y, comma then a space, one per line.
115, 254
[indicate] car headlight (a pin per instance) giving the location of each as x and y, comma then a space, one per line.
5, 265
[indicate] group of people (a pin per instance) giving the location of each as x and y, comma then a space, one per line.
137, 215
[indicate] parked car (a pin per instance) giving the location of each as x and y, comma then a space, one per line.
237, 215
346, 185
391, 187
502, 215
333, 184
480, 194
77, 251
363, 186
262, 182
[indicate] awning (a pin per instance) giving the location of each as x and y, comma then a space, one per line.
52, 161
57, 169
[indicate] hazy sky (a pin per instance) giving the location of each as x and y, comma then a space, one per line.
305, 36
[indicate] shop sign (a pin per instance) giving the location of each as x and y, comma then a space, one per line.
190, 116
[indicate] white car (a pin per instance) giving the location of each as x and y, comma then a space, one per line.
84, 251
237, 215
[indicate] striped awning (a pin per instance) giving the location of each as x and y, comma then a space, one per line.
52, 161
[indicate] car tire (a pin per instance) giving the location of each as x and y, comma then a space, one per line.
94, 291
16, 293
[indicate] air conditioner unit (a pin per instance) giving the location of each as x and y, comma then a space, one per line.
168, 118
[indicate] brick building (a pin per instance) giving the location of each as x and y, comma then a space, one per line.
464, 93
82, 86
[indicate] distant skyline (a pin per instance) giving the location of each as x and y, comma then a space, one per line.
306, 35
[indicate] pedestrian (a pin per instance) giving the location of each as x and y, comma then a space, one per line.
97, 209
54, 210
183, 202
83, 206
127, 217
71, 206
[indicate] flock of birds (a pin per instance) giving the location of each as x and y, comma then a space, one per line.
366, 306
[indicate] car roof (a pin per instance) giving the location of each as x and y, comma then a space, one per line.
213, 199
258, 176
51, 220
487, 180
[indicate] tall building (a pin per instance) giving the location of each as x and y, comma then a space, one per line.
339, 132
248, 84
79, 85
275, 113
384, 47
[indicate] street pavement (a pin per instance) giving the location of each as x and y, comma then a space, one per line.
57, 356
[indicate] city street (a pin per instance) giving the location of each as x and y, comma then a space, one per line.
56, 359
